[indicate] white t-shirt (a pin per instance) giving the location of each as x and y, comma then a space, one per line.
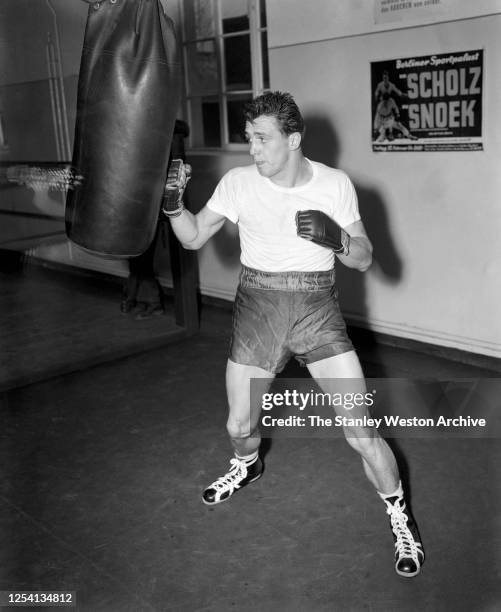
265, 214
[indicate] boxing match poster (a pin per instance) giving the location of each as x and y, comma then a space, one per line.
428, 103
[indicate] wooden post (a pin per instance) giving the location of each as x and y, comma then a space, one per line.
183, 262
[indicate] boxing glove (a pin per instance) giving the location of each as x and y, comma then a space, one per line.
177, 178
316, 226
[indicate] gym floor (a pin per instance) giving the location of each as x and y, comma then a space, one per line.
102, 470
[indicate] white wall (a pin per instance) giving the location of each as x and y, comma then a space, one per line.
435, 218
292, 22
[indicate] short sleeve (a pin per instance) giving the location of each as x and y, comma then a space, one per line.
346, 209
224, 200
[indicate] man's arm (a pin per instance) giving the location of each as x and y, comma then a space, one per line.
360, 251
394, 88
193, 231
351, 243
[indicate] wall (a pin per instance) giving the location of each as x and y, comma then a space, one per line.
33, 131
434, 218
37, 102
292, 22
27, 29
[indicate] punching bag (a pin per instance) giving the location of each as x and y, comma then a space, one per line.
128, 94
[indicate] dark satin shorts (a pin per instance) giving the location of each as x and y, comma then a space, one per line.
278, 315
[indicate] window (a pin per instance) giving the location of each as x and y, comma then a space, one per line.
226, 64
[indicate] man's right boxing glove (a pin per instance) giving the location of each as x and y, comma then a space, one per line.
318, 227
177, 178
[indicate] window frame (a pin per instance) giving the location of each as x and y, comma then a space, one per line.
223, 94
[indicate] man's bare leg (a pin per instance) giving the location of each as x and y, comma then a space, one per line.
378, 460
242, 427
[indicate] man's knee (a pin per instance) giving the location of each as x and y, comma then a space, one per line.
239, 428
363, 440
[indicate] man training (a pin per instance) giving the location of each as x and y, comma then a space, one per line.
295, 218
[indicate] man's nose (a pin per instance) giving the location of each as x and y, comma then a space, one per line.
253, 147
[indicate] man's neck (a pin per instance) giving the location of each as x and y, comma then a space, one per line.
298, 172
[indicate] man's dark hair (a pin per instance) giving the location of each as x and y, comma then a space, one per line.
276, 104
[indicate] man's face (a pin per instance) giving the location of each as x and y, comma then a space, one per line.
269, 147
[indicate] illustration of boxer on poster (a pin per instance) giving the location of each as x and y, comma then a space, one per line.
428, 103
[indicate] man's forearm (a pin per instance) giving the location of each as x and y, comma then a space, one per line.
354, 251
359, 255
186, 230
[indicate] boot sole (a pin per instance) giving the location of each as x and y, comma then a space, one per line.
230, 496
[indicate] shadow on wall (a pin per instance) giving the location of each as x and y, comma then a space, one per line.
322, 144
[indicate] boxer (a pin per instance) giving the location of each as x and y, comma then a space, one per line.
296, 219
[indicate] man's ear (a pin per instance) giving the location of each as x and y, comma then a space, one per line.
294, 140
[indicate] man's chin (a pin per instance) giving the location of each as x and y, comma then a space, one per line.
262, 170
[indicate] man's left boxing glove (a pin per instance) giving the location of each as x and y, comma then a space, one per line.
177, 178
318, 227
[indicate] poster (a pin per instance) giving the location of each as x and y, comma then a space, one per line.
398, 13
399, 10
428, 103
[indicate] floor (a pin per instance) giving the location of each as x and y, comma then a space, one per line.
102, 469
35, 344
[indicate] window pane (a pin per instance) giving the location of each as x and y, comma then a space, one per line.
205, 123
237, 58
262, 11
234, 16
264, 53
203, 74
200, 21
236, 122
212, 125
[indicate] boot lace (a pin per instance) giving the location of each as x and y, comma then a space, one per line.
231, 480
405, 545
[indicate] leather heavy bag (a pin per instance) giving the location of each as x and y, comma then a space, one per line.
128, 95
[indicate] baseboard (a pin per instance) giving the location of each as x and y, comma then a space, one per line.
426, 336
67, 268
485, 362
